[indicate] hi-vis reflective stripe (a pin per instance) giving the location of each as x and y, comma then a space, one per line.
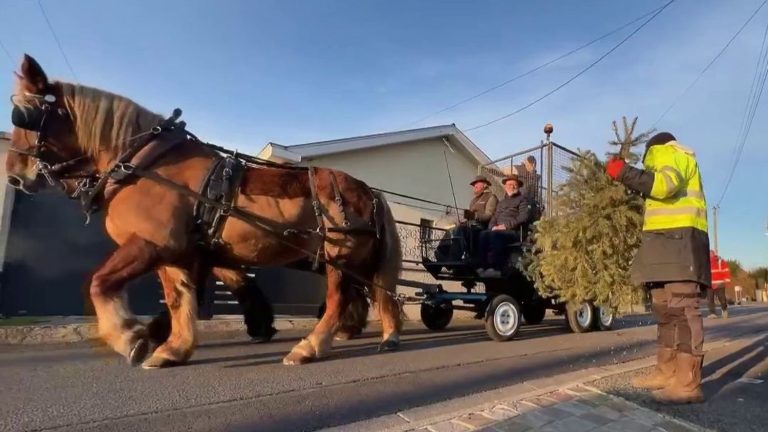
672, 179
691, 194
673, 171
677, 211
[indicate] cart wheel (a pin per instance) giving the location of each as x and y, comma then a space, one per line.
436, 316
534, 311
603, 318
502, 319
580, 318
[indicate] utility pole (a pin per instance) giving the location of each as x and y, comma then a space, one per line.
714, 218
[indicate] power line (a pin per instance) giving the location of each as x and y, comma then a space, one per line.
761, 73
577, 75
537, 68
706, 68
58, 42
5, 50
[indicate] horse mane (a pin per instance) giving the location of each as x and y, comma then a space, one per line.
104, 120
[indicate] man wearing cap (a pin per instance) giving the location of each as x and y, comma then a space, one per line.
531, 179
483, 204
672, 262
512, 213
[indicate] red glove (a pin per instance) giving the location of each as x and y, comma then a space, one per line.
614, 166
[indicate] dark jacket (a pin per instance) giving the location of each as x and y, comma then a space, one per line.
669, 255
512, 211
483, 206
531, 181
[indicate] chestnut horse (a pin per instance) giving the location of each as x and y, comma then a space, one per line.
290, 215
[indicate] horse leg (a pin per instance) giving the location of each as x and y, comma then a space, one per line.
320, 340
117, 325
257, 310
180, 297
355, 317
391, 316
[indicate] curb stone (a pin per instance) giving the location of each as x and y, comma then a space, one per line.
87, 331
80, 332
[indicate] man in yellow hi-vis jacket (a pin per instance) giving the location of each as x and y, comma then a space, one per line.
673, 262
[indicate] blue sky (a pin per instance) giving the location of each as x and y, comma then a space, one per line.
249, 72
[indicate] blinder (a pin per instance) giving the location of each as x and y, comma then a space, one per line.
29, 117
33, 118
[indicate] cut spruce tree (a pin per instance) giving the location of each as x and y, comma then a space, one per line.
583, 252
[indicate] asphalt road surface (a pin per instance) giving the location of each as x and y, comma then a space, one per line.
235, 385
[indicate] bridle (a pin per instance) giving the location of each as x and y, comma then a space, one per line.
48, 160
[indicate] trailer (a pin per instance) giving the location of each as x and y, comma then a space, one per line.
451, 254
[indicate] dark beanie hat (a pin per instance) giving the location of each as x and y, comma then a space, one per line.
660, 138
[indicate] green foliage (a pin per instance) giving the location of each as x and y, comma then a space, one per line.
734, 266
584, 251
759, 274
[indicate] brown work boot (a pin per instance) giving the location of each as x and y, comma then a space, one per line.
662, 374
686, 388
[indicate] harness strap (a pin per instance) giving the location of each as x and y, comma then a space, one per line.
257, 221
231, 176
318, 215
339, 202
88, 196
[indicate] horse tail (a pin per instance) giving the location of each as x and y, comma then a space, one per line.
388, 265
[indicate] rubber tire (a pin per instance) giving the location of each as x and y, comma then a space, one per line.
534, 311
597, 322
571, 316
436, 317
490, 314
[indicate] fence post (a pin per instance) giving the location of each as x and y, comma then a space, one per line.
550, 177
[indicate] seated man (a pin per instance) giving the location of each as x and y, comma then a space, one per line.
483, 204
512, 214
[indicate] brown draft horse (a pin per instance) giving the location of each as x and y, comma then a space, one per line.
154, 227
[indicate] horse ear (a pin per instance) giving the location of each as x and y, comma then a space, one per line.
34, 79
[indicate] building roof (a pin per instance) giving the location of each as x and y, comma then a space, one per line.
296, 153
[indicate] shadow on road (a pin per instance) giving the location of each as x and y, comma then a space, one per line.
413, 391
733, 366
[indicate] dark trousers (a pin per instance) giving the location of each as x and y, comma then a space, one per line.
493, 247
675, 306
720, 294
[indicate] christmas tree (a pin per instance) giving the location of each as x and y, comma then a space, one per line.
585, 249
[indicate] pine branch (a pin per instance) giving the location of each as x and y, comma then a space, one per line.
585, 252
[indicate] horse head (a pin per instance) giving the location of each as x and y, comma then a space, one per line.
43, 144
64, 133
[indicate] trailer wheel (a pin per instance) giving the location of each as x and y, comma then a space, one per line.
604, 318
580, 317
502, 319
534, 311
436, 316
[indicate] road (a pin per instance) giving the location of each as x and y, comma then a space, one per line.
235, 385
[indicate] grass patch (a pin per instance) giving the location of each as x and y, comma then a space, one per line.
22, 320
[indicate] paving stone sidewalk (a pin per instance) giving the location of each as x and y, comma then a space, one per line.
575, 409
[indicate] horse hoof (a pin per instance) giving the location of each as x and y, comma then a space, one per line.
389, 345
139, 352
294, 359
342, 336
157, 362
